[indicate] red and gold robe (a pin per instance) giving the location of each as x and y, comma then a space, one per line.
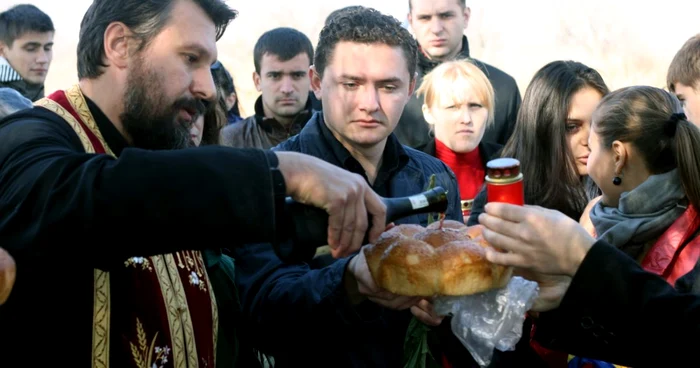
157, 311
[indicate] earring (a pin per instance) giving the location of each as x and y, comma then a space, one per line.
617, 180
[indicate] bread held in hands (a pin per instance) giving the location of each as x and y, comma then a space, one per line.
450, 260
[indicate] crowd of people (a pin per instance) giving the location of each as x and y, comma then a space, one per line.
115, 191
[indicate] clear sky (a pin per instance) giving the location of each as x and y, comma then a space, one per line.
628, 41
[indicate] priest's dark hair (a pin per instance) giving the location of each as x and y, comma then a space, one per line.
145, 19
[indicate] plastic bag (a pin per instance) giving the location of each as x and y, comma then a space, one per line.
493, 319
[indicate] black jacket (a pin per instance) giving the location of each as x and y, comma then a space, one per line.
414, 131
617, 312
301, 315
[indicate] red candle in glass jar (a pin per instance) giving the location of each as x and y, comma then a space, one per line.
504, 181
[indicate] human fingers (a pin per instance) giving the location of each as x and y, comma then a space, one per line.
508, 259
425, 317
358, 235
498, 225
506, 211
396, 302
503, 242
377, 210
347, 229
7, 275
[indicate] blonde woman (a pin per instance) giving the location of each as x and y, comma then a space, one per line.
459, 105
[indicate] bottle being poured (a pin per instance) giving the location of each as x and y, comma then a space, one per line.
306, 227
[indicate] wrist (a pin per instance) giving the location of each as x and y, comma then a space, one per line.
287, 169
279, 193
578, 254
352, 288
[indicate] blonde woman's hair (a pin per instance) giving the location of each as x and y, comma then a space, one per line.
455, 78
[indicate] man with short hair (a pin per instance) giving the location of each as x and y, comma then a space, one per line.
282, 59
438, 26
116, 234
683, 78
26, 49
334, 315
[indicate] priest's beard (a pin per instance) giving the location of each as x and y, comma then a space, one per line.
149, 118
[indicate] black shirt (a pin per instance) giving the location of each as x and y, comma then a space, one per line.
393, 159
114, 139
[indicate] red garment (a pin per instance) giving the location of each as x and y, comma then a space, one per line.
468, 167
676, 252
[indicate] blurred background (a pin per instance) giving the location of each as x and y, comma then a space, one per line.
628, 42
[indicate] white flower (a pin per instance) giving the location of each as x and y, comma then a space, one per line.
194, 279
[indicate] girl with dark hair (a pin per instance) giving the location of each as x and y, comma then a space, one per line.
206, 129
551, 142
227, 89
551, 138
645, 157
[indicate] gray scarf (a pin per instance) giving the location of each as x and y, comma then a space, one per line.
642, 214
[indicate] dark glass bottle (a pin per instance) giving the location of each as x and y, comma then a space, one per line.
306, 227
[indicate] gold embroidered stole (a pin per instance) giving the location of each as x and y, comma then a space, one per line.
70, 105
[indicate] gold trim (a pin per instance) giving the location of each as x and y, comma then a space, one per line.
185, 317
101, 319
75, 96
101, 280
171, 304
504, 181
214, 309
65, 115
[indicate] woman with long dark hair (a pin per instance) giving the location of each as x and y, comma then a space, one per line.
551, 138
551, 142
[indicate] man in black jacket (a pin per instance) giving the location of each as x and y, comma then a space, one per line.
438, 26
607, 306
363, 72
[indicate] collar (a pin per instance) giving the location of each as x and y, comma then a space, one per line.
426, 64
271, 124
7, 72
487, 150
9, 77
394, 157
114, 139
454, 159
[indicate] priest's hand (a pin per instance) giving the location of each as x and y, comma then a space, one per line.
7, 275
535, 238
345, 196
